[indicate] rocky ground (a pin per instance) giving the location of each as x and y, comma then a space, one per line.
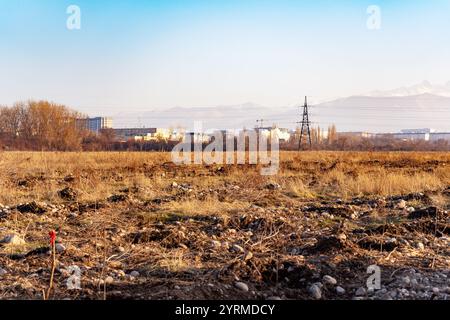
265, 244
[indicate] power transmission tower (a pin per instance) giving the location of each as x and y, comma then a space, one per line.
306, 128
260, 123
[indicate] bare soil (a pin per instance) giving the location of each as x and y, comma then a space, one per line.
153, 230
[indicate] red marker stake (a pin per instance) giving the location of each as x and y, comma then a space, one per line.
52, 235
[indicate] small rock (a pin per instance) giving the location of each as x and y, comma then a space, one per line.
391, 240
115, 198
410, 209
121, 249
60, 248
436, 290
274, 298
32, 207
109, 280
319, 284
420, 246
340, 290
273, 186
174, 184
2, 272
401, 204
315, 292
241, 286
360, 292
237, 248
13, 239
135, 274
68, 194
329, 280
72, 215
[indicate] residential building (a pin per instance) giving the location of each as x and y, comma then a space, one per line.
414, 134
95, 124
126, 134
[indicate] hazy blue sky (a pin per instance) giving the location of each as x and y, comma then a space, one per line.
136, 55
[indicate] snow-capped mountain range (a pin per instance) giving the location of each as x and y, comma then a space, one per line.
420, 106
420, 88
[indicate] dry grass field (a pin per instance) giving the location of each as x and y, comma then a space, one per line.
140, 227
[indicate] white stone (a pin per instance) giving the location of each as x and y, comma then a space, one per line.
329, 280
241, 286
340, 290
315, 291
420, 246
135, 274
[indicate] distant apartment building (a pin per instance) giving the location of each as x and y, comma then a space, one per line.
133, 133
95, 124
282, 133
195, 137
357, 134
146, 134
414, 134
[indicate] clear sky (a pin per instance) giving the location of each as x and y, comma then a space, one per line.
138, 55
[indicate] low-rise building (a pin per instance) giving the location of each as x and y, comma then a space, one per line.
414, 134
357, 134
126, 134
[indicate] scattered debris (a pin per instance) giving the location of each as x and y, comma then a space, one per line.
32, 207
67, 194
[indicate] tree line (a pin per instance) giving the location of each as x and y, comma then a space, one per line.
47, 126
39, 125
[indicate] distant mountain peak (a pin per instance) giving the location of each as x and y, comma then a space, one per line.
425, 87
